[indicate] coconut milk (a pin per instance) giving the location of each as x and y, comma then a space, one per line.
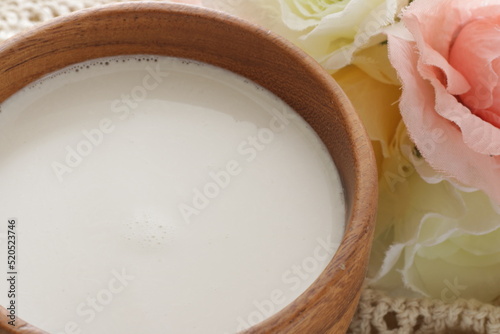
160, 195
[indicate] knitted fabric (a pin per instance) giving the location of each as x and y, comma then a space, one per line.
377, 312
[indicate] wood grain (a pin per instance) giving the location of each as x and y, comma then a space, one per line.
215, 38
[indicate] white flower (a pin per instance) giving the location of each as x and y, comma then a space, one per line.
329, 30
433, 239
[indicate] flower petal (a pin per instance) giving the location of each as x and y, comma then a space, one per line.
376, 103
427, 236
447, 148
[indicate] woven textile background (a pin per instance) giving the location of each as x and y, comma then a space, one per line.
377, 312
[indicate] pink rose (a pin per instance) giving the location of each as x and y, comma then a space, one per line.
448, 59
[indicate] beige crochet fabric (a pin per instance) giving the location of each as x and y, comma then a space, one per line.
377, 313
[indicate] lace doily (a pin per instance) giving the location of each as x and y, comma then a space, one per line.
18, 15
377, 313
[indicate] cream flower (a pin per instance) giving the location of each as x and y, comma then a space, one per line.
329, 30
375, 102
433, 239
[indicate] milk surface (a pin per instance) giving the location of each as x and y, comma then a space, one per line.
161, 195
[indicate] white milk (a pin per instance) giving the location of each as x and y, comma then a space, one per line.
160, 195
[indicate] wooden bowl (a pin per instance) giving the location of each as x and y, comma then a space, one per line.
327, 306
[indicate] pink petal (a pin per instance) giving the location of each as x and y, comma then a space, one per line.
439, 140
434, 25
474, 50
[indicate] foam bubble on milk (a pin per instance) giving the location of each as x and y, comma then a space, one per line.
144, 135
149, 228
90, 65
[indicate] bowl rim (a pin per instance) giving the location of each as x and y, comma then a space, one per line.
360, 219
